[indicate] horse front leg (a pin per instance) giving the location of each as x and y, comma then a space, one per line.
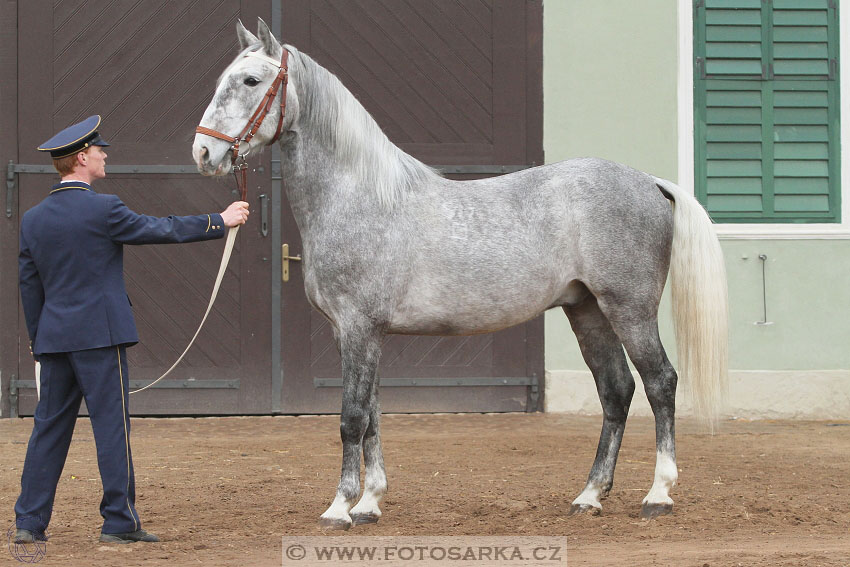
367, 511
360, 352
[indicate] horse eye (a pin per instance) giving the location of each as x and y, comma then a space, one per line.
251, 82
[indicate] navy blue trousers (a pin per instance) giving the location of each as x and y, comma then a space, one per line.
100, 376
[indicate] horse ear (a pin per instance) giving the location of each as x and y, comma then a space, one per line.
270, 44
246, 38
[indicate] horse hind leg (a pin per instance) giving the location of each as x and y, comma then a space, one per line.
638, 329
367, 511
360, 353
603, 353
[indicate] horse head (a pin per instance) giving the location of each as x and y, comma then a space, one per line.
240, 91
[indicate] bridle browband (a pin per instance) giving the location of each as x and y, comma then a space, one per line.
256, 119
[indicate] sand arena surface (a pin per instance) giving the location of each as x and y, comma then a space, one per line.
222, 491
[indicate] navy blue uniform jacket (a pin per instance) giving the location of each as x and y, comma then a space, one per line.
71, 265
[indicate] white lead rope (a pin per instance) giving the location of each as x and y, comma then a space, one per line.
225, 258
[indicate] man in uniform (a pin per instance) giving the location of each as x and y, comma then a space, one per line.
80, 322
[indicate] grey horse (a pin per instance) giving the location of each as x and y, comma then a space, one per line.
391, 246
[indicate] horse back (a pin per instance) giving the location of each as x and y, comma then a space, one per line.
491, 253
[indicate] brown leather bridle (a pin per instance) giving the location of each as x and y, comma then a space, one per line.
254, 124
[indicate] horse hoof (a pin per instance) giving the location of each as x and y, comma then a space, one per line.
368, 518
585, 509
334, 523
650, 511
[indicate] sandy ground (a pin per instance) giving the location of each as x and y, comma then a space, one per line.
223, 491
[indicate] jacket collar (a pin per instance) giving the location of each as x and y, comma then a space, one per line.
70, 185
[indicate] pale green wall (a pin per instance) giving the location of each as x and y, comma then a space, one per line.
609, 82
609, 90
609, 74
808, 301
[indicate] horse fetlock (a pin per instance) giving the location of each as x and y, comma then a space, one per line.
666, 475
658, 502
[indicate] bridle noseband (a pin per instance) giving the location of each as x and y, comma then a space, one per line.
256, 120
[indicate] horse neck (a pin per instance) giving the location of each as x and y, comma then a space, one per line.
311, 177
338, 148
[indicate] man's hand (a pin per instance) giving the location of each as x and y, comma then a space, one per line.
235, 214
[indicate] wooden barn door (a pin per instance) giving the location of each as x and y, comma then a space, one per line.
456, 83
149, 68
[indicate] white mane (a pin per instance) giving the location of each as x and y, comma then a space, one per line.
341, 122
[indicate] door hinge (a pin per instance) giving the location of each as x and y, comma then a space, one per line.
13, 396
533, 395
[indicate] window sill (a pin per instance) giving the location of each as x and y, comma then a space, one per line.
782, 232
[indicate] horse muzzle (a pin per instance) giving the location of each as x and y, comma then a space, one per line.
213, 159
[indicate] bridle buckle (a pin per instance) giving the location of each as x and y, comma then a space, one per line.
241, 161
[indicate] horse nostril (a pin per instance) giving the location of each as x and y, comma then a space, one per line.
205, 153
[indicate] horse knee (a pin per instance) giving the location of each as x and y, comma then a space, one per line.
352, 426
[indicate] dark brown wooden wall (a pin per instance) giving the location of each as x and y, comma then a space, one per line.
454, 82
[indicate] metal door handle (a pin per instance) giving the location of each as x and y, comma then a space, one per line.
284, 265
264, 214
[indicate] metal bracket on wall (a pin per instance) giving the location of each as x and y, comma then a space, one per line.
165, 384
15, 385
264, 214
10, 187
114, 169
12, 169
764, 321
531, 382
436, 382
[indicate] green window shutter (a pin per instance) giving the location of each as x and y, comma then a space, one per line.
731, 39
805, 39
805, 156
731, 149
766, 110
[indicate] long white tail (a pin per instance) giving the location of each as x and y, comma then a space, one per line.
700, 311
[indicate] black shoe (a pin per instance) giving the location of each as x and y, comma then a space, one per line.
138, 535
26, 536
